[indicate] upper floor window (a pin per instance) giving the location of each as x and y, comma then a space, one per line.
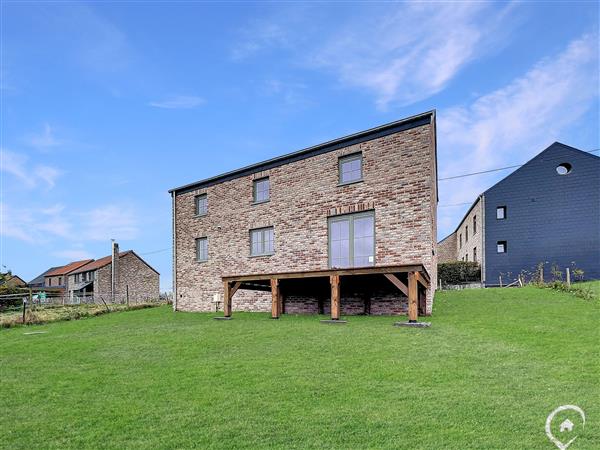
475, 254
501, 212
201, 204
350, 168
501, 247
474, 225
352, 240
466, 233
202, 249
261, 190
262, 241
59, 281
460, 240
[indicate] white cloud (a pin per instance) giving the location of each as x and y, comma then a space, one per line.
28, 176
44, 140
402, 53
47, 224
514, 123
178, 102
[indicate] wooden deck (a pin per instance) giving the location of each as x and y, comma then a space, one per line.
418, 283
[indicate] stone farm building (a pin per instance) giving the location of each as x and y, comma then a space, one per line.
546, 212
344, 227
118, 277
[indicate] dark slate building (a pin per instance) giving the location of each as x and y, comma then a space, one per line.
547, 211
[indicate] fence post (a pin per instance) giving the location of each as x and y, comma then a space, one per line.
127, 293
500, 279
542, 274
568, 277
24, 308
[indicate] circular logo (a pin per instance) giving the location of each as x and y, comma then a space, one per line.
566, 425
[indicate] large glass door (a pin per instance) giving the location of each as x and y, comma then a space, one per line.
352, 240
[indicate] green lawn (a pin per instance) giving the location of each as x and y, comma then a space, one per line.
493, 365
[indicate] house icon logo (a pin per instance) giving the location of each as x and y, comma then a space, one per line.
566, 426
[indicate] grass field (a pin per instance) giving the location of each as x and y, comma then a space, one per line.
487, 373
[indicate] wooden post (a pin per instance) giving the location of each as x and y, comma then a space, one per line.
412, 297
500, 280
542, 274
335, 296
568, 277
275, 298
24, 308
226, 299
127, 293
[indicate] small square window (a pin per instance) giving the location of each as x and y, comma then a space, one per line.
350, 169
501, 247
202, 249
201, 205
262, 241
501, 212
261, 190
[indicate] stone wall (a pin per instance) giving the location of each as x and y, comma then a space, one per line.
138, 277
447, 249
399, 185
471, 240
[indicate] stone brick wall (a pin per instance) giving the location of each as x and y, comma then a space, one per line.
143, 282
399, 185
472, 240
447, 249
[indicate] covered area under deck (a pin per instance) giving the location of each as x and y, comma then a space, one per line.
411, 280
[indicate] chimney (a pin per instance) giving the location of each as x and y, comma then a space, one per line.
114, 270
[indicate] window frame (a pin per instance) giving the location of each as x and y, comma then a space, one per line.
358, 156
262, 241
474, 254
503, 209
254, 190
197, 241
197, 199
351, 217
474, 224
466, 233
504, 245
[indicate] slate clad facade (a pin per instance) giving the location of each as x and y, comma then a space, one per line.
293, 213
549, 218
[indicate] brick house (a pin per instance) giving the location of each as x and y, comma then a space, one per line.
59, 276
132, 278
547, 211
347, 226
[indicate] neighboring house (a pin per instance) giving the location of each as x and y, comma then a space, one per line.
58, 277
547, 211
466, 242
132, 278
39, 281
357, 213
10, 280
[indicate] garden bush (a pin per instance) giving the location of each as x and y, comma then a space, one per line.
457, 272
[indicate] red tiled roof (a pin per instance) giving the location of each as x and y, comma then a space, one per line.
63, 270
93, 265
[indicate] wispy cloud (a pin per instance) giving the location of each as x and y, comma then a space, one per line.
512, 124
178, 102
401, 53
27, 175
44, 140
44, 225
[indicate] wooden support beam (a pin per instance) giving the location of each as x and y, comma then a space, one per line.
235, 287
227, 299
421, 279
396, 282
412, 297
335, 296
275, 298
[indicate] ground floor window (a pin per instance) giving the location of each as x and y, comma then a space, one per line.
352, 240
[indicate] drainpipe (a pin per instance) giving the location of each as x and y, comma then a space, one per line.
174, 244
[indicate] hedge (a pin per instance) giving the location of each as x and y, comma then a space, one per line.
457, 272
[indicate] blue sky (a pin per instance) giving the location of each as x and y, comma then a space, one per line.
105, 106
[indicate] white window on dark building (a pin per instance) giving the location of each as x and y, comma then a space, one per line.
501, 247
501, 212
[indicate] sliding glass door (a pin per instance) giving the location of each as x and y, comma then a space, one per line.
352, 240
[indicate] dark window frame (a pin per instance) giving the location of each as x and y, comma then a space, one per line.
349, 158
474, 224
503, 209
504, 245
255, 184
262, 242
197, 200
351, 242
198, 241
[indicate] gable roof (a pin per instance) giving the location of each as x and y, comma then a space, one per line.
13, 278
352, 139
40, 278
64, 270
106, 260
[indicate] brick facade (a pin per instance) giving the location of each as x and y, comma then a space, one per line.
399, 185
447, 249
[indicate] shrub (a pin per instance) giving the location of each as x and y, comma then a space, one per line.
457, 272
